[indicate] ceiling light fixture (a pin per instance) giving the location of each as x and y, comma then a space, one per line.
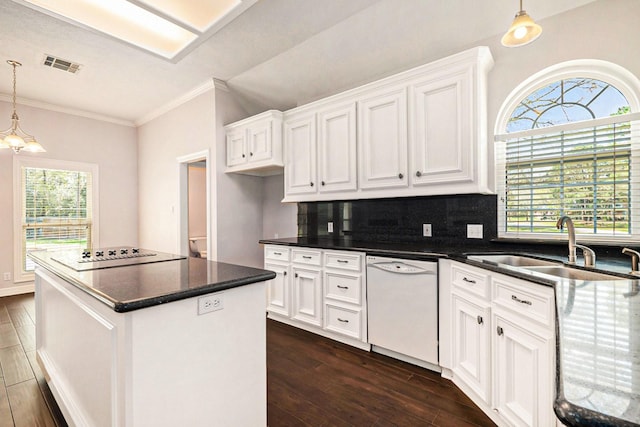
14, 137
522, 31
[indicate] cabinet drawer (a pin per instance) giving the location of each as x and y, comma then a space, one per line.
308, 257
343, 260
344, 321
343, 287
471, 281
277, 253
529, 300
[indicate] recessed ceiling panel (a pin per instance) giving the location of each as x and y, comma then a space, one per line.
163, 27
198, 14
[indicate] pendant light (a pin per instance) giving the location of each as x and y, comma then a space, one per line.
14, 137
522, 31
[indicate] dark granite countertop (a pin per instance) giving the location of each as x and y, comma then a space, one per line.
597, 328
134, 287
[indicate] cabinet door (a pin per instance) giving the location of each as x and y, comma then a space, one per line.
382, 140
471, 345
278, 289
300, 163
307, 295
337, 148
523, 375
259, 141
440, 137
236, 145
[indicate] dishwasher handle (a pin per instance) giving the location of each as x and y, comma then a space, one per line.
400, 268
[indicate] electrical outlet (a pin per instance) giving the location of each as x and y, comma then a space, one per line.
426, 230
6, 276
474, 231
330, 227
209, 303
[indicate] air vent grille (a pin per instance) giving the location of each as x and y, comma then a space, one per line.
61, 64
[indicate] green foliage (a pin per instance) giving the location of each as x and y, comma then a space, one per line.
55, 193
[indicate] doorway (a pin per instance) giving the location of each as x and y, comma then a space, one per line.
194, 218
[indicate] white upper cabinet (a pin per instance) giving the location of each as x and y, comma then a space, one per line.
254, 145
337, 148
382, 139
300, 145
440, 133
421, 132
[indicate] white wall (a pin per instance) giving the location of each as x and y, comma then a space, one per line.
238, 213
187, 129
236, 200
278, 219
197, 200
67, 137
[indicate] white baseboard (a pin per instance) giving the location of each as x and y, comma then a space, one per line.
17, 290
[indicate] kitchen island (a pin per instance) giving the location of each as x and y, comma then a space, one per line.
180, 341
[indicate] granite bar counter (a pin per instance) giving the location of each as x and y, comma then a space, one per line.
597, 323
176, 342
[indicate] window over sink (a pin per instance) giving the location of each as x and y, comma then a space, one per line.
568, 143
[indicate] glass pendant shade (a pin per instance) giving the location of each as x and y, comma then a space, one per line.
14, 137
523, 30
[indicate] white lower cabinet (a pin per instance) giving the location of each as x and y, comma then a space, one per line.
321, 291
497, 343
307, 295
523, 375
471, 327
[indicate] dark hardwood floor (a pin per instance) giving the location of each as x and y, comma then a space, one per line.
311, 381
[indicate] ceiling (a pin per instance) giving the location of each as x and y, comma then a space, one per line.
277, 54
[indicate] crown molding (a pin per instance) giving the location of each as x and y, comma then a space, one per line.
207, 86
67, 110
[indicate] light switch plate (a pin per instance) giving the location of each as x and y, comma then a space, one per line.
426, 230
474, 231
330, 227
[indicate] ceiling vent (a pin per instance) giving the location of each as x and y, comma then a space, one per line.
61, 64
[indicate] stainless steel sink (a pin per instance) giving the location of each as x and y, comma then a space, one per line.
513, 260
573, 273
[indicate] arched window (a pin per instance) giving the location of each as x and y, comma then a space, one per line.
568, 144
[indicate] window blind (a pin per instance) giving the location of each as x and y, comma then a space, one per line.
56, 210
588, 171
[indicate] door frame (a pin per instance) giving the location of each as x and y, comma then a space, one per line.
183, 202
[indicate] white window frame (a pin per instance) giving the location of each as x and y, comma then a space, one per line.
18, 202
623, 80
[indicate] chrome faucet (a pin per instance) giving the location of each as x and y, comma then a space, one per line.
635, 260
588, 253
572, 236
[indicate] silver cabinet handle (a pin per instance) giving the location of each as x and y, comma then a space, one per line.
480, 320
342, 320
464, 279
342, 287
342, 261
306, 257
521, 301
500, 331
277, 253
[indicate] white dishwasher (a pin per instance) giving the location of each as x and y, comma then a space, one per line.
402, 306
